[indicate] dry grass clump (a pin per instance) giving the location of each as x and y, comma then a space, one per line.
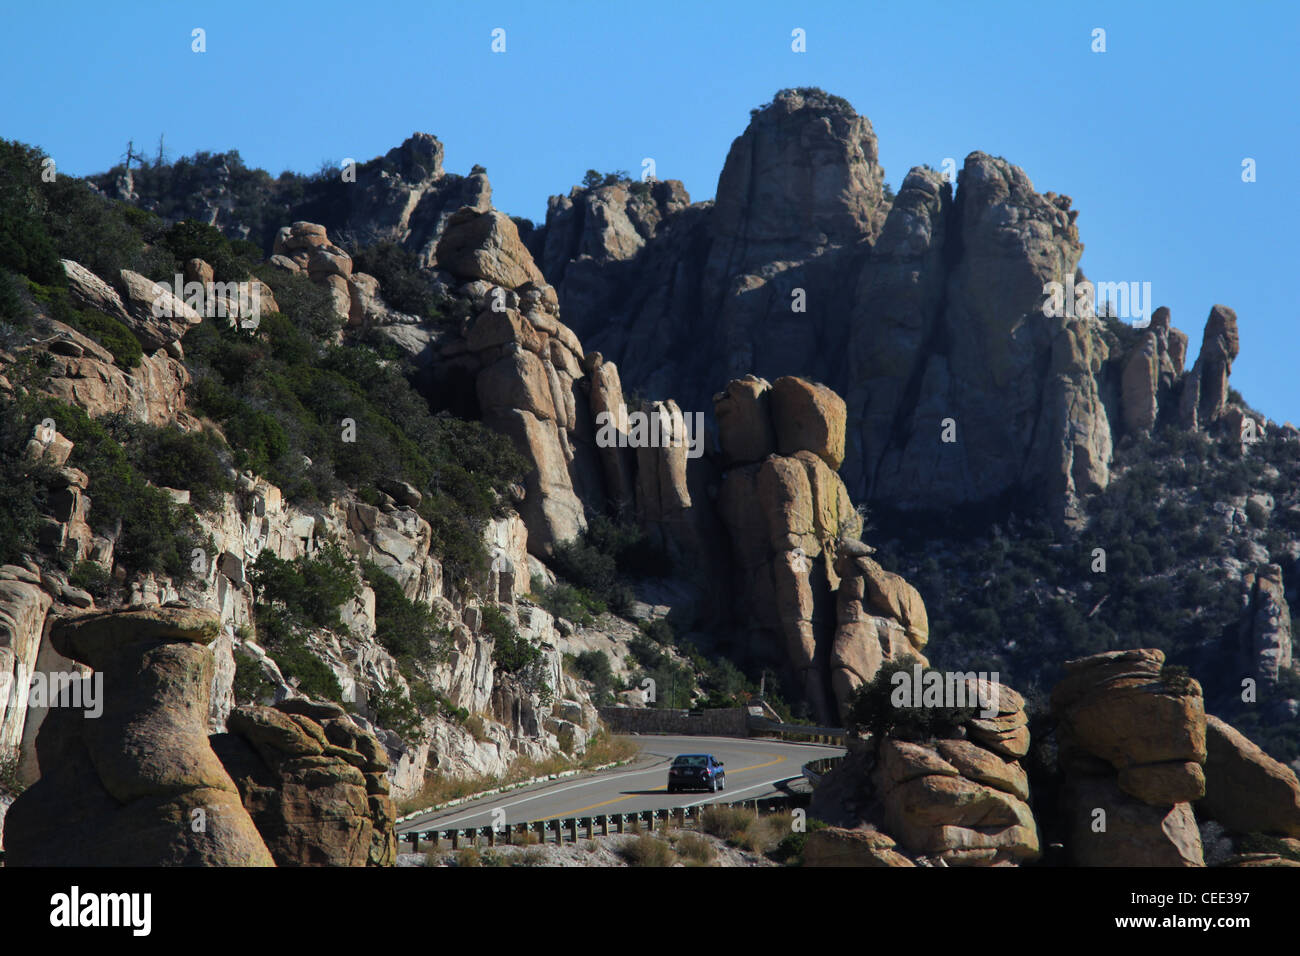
647, 850
695, 850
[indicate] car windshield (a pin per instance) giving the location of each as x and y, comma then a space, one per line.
692, 760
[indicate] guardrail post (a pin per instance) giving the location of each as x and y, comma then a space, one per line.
604, 824
618, 822
680, 814
492, 836
573, 828
591, 827
455, 839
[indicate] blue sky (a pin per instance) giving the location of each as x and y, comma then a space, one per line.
1147, 137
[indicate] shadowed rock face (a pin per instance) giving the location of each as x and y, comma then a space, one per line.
1132, 746
139, 785
1245, 789
1143, 763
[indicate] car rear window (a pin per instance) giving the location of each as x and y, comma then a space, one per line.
691, 762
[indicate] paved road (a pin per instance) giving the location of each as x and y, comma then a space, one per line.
755, 769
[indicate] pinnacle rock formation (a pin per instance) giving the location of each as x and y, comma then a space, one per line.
926, 311
137, 784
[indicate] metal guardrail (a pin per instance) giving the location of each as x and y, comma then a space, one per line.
810, 732
567, 829
815, 770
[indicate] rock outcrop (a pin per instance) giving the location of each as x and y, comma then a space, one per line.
485, 245
313, 782
1266, 634
862, 846
930, 315
1118, 707
879, 617
1246, 790
23, 606
304, 248
406, 197
138, 783
958, 799
1205, 389
1132, 746
1150, 372
154, 313
787, 514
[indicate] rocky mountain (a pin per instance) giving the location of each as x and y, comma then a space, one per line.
364, 486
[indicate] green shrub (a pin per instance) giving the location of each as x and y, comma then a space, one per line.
9, 780
92, 230
26, 247
511, 653
172, 458
91, 577
409, 631
250, 684
723, 682
874, 708
593, 666
430, 702
603, 558
660, 631
23, 490
395, 710
405, 286
790, 850
156, 535
310, 588
13, 311
593, 179
1179, 681
190, 239
104, 329
573, 604
674, 684
286, 644
312, 675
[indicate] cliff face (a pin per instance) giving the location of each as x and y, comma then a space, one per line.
924, 311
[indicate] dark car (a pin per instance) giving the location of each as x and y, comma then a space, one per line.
696, 772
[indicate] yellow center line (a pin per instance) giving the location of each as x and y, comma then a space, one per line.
606, 803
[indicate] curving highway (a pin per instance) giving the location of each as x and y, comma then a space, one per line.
755, 768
